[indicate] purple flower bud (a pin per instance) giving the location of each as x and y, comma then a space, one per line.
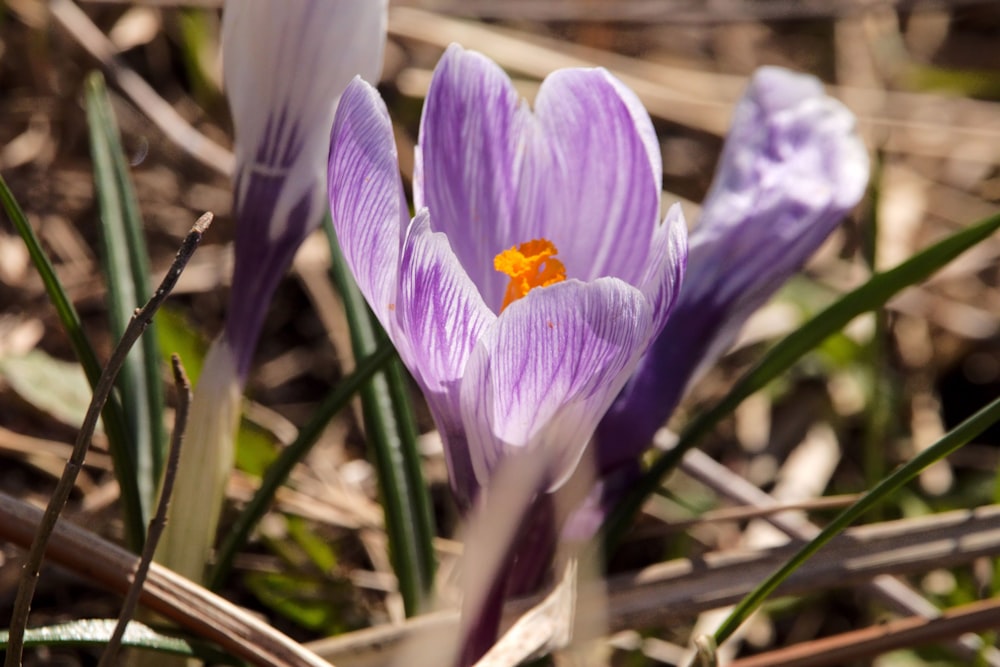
791, 168
285, 65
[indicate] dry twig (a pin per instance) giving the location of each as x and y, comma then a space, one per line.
159, 520
140, 320
856, 645
175, 598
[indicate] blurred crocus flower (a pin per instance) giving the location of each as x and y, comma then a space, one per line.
285, 65
536, 271
792, 167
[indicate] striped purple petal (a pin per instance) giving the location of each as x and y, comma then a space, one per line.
285, 65
791, 169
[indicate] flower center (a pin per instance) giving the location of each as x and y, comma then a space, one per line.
529, 265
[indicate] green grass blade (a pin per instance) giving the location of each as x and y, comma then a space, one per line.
873, 294
141, 275
278, 471
880, 409
97, 632
113, 415
392, 432
126, 268
954, 439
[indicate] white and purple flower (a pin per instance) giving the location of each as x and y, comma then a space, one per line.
536, 271
285, 65
792, 167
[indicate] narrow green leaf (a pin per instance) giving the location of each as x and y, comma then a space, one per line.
126, 267
97, 632
256, 449
391, 430
278, 472
142, 275
297, 597
316, 548
880, 412
954, 439
112, 415
873, 294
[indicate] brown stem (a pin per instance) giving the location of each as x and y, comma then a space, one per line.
849, 647
159, 520
166, 593
140, 320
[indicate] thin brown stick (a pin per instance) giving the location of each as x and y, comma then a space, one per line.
741, 513
166, 593
678, 590
887, 588
856, 645
159, 520
140, 320
664, 593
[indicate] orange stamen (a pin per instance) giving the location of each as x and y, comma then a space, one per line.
529, 265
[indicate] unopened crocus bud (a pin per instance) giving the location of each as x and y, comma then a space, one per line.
285, 66
286, 62
792, 167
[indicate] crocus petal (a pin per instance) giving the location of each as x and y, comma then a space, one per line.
467, 162
545, 372
791, 168
662, 282
592, 185
583, 170
284, 67
441, 317
625, 426
366, 196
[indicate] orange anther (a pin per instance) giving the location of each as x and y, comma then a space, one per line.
529, 265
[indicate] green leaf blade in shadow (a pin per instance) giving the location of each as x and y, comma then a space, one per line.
112, 415
126, 268
278, 472
391, 430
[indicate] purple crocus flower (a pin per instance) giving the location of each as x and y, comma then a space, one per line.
792, 167
535, 273
285, 64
